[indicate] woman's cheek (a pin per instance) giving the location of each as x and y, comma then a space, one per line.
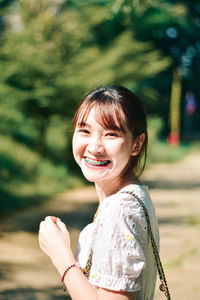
78, 151
75, 145
115, 146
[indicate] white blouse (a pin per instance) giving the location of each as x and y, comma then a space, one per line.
122, 254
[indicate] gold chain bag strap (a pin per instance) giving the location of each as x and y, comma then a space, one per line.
163, 286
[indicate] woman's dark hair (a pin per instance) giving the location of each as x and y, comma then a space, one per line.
117, 103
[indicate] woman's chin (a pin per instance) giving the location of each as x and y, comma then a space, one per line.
92, 178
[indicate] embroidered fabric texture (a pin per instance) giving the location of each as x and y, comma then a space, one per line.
122, 256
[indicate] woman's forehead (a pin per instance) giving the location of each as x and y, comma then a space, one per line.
107, 117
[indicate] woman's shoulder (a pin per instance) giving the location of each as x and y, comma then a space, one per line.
141, 190
125, 195
123, 201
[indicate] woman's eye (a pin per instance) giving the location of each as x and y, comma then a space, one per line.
85, 131
112, 134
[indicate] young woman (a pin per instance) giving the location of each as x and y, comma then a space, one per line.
110, 139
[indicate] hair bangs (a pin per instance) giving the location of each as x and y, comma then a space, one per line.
108, 115
82, 113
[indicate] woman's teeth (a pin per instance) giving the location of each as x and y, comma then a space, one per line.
97, 162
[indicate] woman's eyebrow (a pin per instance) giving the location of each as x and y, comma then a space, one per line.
114, 127
83, 124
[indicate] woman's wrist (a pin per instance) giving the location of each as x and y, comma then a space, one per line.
63, 260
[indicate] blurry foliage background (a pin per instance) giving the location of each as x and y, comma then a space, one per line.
53, 51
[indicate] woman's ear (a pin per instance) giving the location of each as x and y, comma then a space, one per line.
137, 145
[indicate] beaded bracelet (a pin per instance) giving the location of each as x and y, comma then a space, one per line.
65, 273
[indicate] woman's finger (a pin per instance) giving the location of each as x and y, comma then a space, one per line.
52, 222
42, 225
50, 219
61, 225
53, 218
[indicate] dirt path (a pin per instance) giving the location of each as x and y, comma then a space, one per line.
26, 273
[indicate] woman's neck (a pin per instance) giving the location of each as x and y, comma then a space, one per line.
105, 190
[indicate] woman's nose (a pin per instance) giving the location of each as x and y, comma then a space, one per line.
95, 145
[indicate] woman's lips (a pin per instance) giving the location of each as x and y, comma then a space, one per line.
96, 162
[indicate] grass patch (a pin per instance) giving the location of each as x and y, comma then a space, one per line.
178, 262
191, 220
159, 151
162, 152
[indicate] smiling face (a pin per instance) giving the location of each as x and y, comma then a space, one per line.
102, 153
110, 136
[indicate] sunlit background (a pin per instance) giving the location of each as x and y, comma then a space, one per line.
52, 52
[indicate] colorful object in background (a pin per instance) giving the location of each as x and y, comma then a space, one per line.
190, 103
173, 138
174, 118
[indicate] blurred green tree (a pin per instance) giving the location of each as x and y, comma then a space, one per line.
36, 54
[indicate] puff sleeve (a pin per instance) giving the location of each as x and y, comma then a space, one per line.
119, 238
